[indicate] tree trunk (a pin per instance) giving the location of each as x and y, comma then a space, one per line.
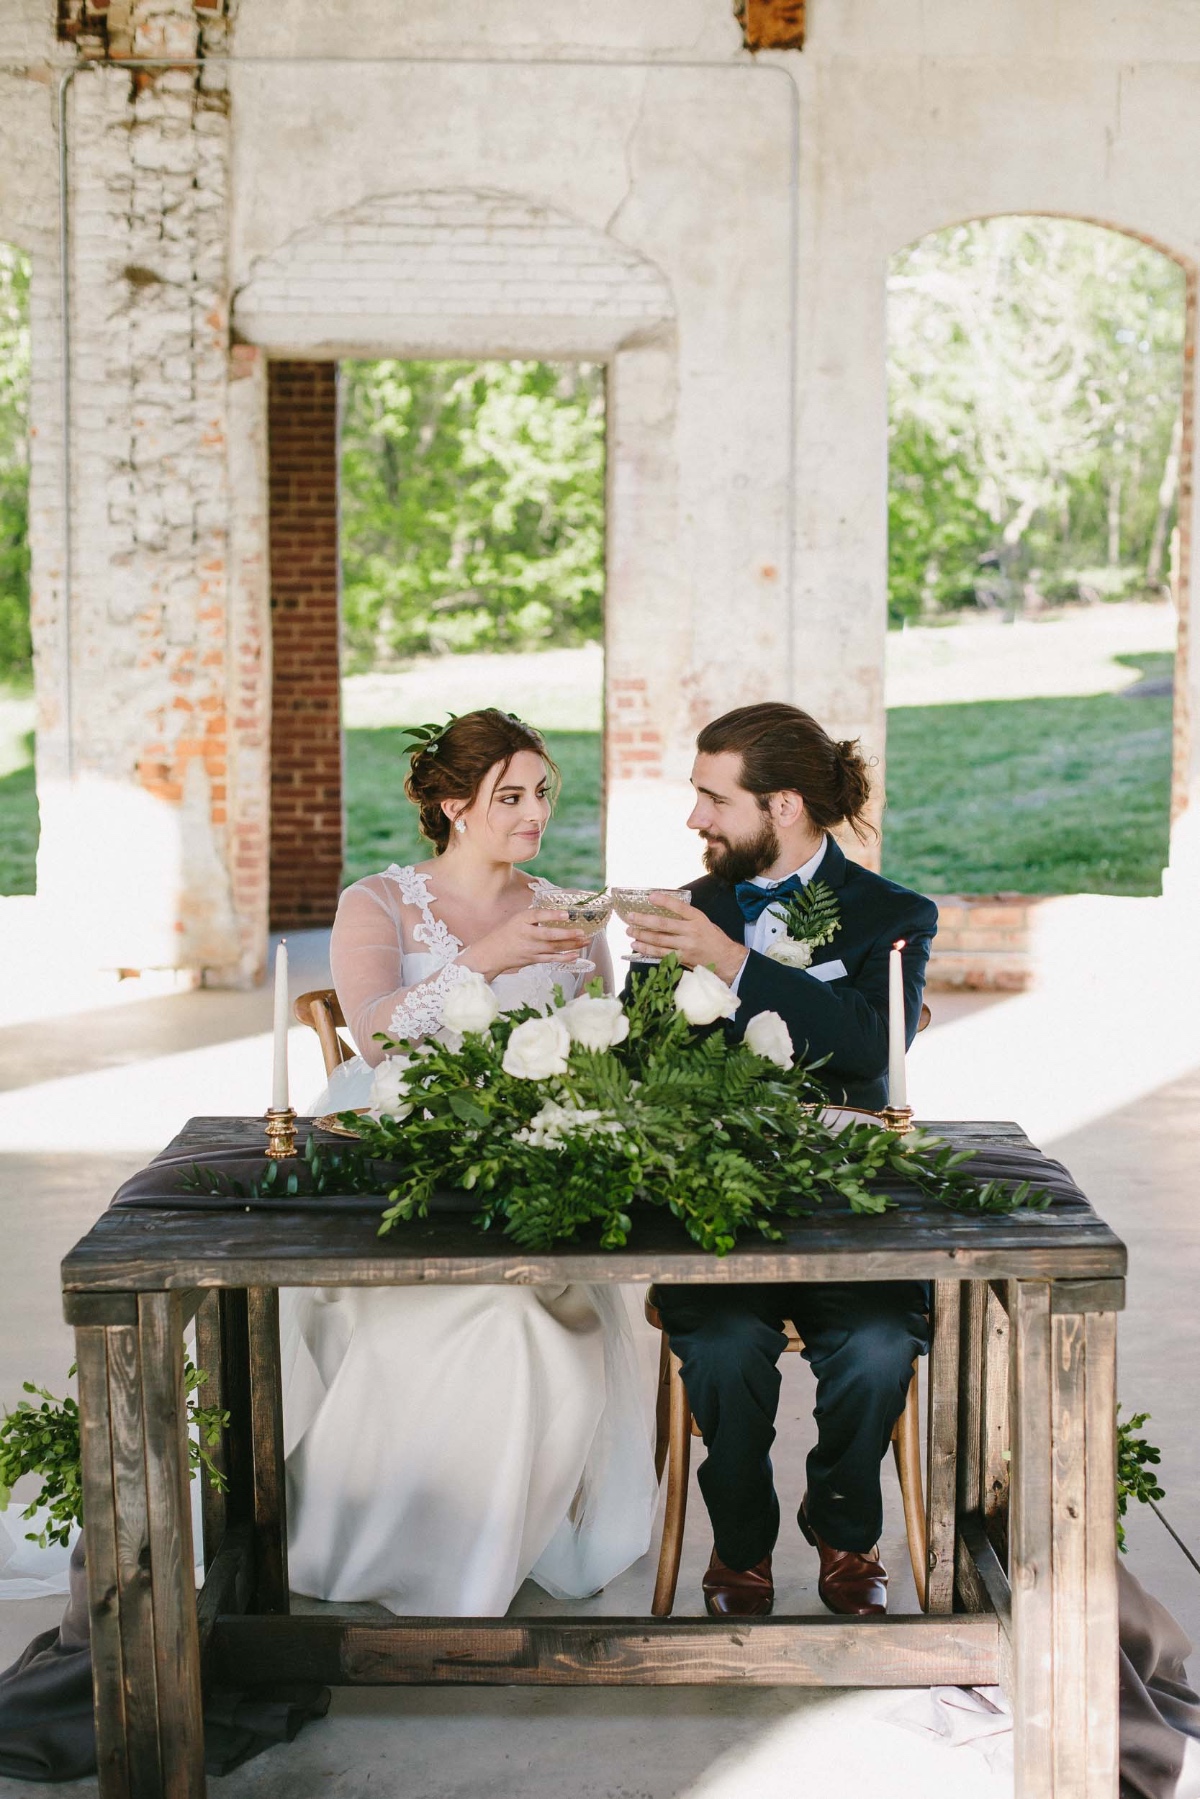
1166, 499
1114, 521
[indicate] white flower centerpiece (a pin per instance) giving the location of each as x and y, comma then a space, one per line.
571, 1120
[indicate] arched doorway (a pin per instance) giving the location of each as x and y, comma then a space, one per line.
1040, 439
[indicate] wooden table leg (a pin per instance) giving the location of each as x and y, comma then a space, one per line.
266, 1426
104, 1586
995, 1441
941, 1474
214, 1503
242, 1337
972, 1344
141, 1586
1063, 1545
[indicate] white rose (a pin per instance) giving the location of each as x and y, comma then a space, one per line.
767, 1036
538, 1048
595, 1023
470, 1005
793, 952
389, 1090
703, 998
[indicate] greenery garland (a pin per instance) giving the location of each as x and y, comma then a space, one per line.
44, 1439
564, 1122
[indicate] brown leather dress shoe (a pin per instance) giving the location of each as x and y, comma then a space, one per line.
850, 1582
738, 1592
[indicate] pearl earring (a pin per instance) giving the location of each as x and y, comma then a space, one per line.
460, 825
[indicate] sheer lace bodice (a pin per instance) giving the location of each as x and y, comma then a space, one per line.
393, 961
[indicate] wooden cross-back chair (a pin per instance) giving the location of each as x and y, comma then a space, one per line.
322, 1012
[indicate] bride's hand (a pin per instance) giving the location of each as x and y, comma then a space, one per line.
536, 935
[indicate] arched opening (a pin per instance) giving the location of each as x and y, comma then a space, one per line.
1039, 442
18, 797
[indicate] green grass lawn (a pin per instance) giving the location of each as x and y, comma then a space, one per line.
1025, 796
381, 824
1031, 796
18, 830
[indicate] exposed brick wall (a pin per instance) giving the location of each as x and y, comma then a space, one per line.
984, 942
634, 741
377, 270
306, 728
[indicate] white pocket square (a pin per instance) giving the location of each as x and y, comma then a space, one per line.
828, 971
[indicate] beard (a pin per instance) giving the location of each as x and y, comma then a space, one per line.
734, 862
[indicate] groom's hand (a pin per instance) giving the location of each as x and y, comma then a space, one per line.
688, 934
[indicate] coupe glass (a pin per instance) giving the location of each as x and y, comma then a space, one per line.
586, 911
629, 900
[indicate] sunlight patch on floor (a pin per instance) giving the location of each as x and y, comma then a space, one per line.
141, 1105
837, 1746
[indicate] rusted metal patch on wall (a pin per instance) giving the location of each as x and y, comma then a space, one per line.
771, 24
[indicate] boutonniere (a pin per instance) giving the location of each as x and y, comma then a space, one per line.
812, 919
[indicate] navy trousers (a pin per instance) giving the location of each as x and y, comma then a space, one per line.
860, 1338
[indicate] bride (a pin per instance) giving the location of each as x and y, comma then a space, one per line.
443, 1443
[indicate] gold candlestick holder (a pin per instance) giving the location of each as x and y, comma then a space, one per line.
281, 1133
898, 1118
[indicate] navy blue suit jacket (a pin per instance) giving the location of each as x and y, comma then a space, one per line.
845, 1019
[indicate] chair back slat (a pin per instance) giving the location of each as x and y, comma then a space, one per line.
322, 1012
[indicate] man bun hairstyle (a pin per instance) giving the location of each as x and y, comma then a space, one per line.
785, 750
454, 765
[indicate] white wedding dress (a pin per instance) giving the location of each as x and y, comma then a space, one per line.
444, 1443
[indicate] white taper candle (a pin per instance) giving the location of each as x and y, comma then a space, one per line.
897, 1078
279, 1081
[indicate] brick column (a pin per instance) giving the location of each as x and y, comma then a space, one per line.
306, 725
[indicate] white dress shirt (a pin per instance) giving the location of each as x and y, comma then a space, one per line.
768, 927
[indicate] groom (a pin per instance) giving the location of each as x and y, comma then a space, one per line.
770, 784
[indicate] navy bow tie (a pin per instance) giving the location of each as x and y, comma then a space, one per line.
754, 900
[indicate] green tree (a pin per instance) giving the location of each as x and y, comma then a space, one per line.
15, 650
1036, 379
472, 506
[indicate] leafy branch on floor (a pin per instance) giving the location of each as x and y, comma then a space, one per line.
44, 1439
1135, 1458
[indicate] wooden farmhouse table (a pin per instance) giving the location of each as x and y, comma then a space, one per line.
1020, 1473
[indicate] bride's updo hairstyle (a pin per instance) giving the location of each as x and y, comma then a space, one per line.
784, 750
455, 765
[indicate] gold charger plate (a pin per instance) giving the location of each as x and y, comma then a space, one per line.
328, 1121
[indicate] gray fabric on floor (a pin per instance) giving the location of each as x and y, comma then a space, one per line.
46, 1729
46, 1726
1160, 1712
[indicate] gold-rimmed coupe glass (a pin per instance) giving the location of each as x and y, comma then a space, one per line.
631, 900
586, 911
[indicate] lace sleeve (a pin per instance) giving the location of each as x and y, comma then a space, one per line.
420, 1009
366, 955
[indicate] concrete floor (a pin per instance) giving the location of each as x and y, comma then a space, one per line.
82, 1101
